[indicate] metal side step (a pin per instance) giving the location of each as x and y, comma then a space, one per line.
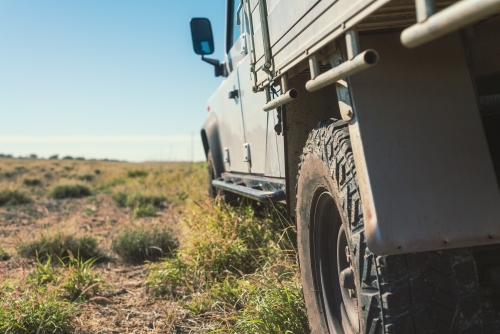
255, 194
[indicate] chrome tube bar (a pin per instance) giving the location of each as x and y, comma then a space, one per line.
285, 98
359, 63
454, 17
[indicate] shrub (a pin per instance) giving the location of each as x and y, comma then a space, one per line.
68, 157
70, 191
54, 157
132, 173
97, 171
121, 199
13, 197
59, 246
32, 182
4, 256
80, 158
86, 177
142, 211
138, 200
137, 246
142, 205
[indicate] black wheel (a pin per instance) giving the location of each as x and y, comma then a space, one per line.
347, 288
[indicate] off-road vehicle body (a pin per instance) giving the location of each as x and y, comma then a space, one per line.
377, 122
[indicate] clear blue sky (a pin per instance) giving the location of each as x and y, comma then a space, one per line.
105, 79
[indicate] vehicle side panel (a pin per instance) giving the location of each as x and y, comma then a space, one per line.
424, 169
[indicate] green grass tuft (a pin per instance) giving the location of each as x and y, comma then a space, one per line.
274, 308
4, 256
75, 276
32, 182
70, 191
59, 246
137, 246
133, 173
86, 177
141, 205
13, 197
34, 309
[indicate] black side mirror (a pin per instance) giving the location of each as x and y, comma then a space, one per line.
203, 43
201, 33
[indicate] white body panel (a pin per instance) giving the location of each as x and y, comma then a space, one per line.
424, 169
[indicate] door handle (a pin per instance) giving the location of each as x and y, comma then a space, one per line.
234, 94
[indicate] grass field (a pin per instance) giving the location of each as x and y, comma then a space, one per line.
114, 247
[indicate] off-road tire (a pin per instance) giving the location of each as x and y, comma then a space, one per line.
429, 292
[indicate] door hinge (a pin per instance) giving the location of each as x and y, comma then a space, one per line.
246, 152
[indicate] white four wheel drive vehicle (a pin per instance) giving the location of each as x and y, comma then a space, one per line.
377, 122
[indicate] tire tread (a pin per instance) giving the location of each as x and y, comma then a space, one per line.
429, 292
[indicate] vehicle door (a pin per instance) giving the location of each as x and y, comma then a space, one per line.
231, 120
263, 143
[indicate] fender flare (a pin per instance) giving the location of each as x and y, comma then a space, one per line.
211, 141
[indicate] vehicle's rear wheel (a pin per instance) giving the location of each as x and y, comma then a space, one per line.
347, 288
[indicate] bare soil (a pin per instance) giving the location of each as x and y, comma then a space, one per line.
123, 305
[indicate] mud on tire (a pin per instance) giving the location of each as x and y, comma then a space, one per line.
429, 292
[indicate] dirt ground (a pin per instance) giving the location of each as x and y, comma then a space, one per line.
123, 305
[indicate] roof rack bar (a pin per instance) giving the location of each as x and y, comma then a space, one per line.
452, 18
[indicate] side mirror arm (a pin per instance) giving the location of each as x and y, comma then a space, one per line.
219, 68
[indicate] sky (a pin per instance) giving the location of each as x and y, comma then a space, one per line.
114, 79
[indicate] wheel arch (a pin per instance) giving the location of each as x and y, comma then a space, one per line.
211, 141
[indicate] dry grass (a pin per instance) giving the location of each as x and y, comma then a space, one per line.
233, 269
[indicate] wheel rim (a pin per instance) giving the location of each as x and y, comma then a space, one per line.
330, 260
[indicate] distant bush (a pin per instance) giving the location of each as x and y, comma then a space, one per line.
121, 199
59, 246
137, 200
141, 211
20, 169
80, 158
13, 197
4, 256
139, 245
86, 177
68, 157
142, 205
97, 171
54, 157
5, 155
132, 173
70, 191
32, 182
